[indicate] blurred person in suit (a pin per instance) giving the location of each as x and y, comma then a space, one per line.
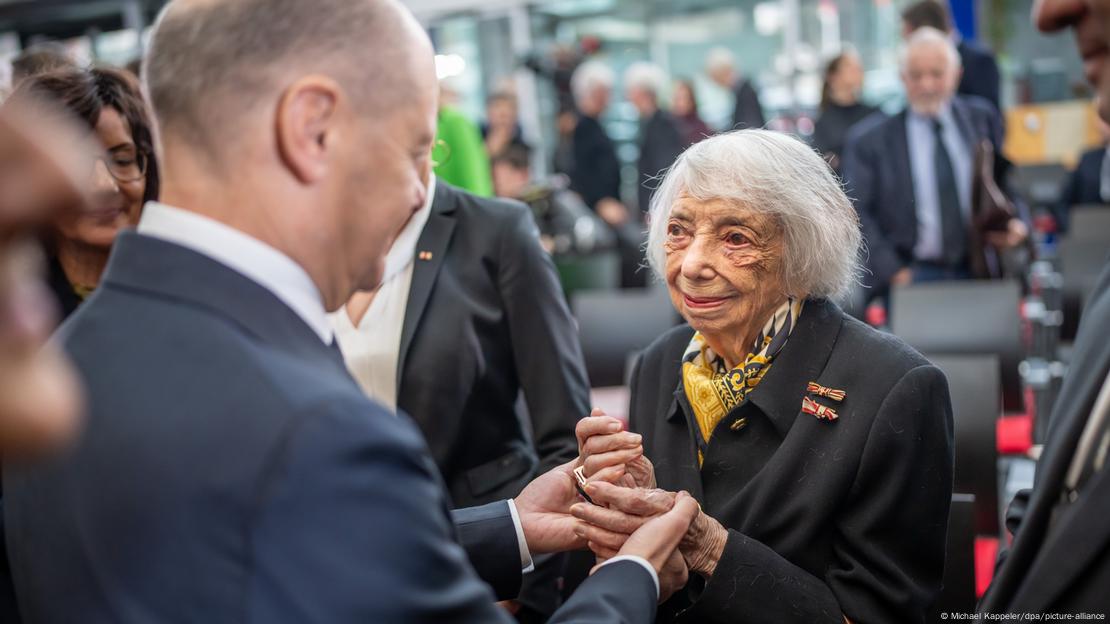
1088, 184
660, 140
980, 75
684, 107
595, 170
911, 174
125, 177
840, 107
1057, 560
469, 317
231, 468
747, 112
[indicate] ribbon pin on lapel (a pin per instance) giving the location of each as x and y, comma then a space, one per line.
822, 391
822, 412
425, 255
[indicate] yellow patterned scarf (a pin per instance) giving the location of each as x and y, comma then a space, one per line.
712, 390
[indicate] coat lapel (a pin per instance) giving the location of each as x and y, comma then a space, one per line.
434, 239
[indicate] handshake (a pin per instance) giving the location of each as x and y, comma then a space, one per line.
627, 514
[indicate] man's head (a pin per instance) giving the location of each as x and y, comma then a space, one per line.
591, 84
926, 13
930, 69
720, 66
511, 170
304, 124
644, 84
1091, 21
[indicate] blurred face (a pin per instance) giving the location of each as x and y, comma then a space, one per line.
849, 76
682, 102
508, 181
643, 100
930, 79
1091, 21
721, 76
117, 182
723, 270
501, 113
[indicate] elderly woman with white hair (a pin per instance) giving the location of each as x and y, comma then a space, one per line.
819, 449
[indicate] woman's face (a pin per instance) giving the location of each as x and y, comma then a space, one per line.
116, 201
682, 103
849, 75
723, 268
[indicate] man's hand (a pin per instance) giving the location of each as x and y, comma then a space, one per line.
1015, 234
544, 509
904, 277
657, 539
612, 211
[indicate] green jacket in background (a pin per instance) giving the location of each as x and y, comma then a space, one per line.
463, 160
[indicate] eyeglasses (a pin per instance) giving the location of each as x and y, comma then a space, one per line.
124, 165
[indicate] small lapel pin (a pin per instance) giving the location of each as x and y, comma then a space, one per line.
822, 412
819, 390
739, 424
425, 255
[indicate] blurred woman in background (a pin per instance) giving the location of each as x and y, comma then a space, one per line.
840, 106
121, 173
684, 107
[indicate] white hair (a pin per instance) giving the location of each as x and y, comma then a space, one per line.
780, 176
718, 59
646, 77
929, 36
589, 77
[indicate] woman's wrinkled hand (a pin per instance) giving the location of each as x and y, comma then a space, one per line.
606, 451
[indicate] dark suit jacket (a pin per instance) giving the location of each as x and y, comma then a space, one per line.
746, 111
980, 77
231, 471
660, 144
486, 319
876, 169
824, 518
597, 172
1083, 186
1065, 568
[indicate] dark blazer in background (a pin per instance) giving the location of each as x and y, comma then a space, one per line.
832, 127
980, 77
876, 170
747, 111
660, 144
486, 320
232, 471
1062, 565
824, 518
1083, 187
597, 172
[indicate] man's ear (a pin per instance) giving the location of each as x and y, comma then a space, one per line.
305, 126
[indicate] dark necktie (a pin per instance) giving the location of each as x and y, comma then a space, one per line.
952, 226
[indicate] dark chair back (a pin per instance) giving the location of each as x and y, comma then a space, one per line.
974, 386
615, 324
1090, 222
958, 594
965, 318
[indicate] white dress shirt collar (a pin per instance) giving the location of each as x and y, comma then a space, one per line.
243, 254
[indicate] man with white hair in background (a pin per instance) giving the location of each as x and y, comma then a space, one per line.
660, 139
911, 174
720, 66
596, 171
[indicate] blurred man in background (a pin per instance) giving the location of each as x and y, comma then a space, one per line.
660, 138
720, 66
980, 69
